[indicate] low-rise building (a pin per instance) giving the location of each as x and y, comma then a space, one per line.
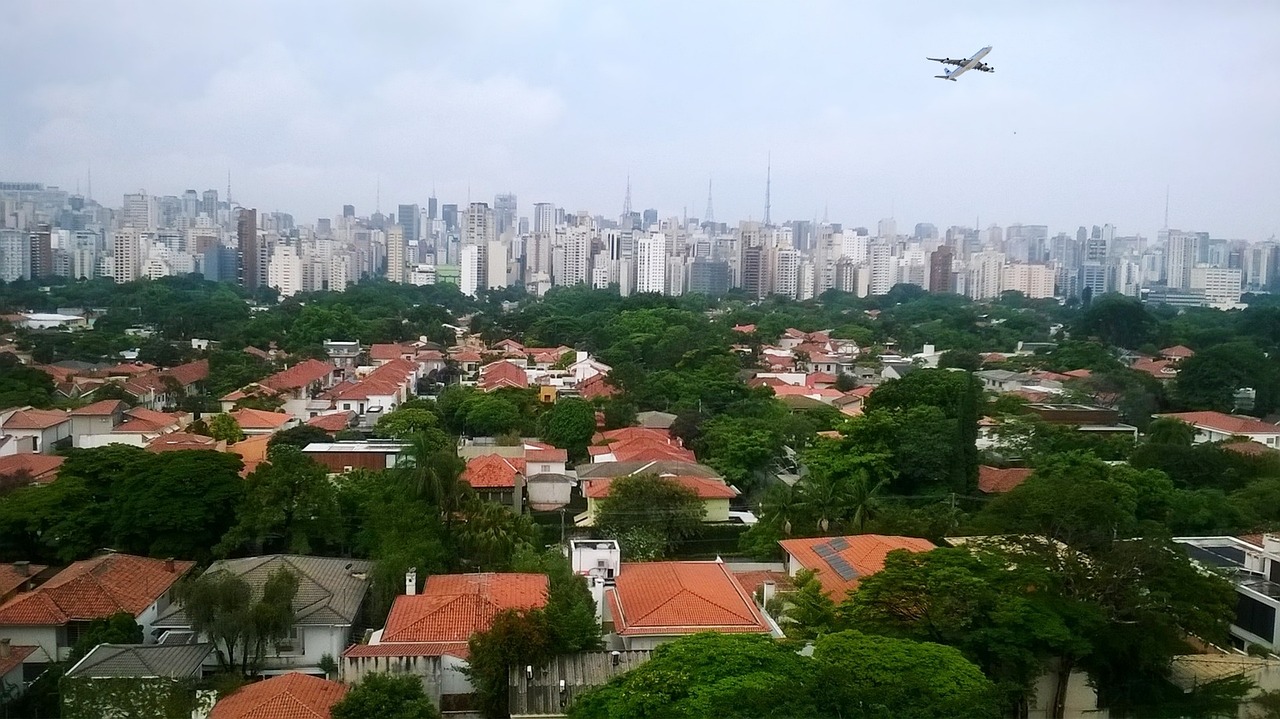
839, 563
1217, 427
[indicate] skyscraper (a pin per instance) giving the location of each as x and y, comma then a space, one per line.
209, 204
504, 214
251, 269
397, 254
651, 263
124, 250
42, 251
138, 212
409, 218
940, 270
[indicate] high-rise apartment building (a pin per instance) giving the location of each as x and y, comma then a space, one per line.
138, 211
15, 256
251, 270
1033, 281
409, 219
41, 251
985, 277
651, 263
397, 254
1179, 258
940, 261
127, 253
504, 214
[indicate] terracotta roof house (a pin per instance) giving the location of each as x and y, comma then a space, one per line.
301, 377
18, 576
497, 479
12, 659
331, 593
287, 696
840, 562
1161, 369
713, 492
655, 602
993, 480
382, 353
87, 590
595, 387
333, 421
41, 468
178, 441
502, 373
1216, 427
258, 422
1177, 352
252, 451
426, 633
672, 467
745, 329
40, 431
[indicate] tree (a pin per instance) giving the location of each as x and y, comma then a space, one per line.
652, 504
1209, 380
570, 609
289, 505
619, 413
119, 628
958, 396
405, 422
809, 611
21, 385
846, 382
960, 359
491, 534
1171, 431
515, 638
220, 605
1117, 320
710, 675
225, 427
489, 416
570, 424
900, 678
387, 696
176, 504
300, 437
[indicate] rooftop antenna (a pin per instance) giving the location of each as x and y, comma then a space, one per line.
626, 202
711, 215
1166, 207
768, 186
824, 213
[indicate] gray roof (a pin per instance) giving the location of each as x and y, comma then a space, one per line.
550, 477
656, 420
598, 470
330, 590
139, 661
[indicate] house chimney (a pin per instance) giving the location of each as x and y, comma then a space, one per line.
168, 564
23, 568
767, 591
5, 649
411, 581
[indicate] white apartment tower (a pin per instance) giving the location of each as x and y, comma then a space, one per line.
651, 263
128, 259
397, 255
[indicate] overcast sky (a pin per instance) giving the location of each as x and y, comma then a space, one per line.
1094, 108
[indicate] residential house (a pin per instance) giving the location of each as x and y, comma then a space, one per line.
38, 431
713, 492
1083, 417
586, 367
255, 422
137, 427
890, 370
339, 457
15, 671
995, 480
496, 478
287, 696
622, 468
546, 460
333, 422
502, 374
54, 615
1177, 353
656, 420
381, 390
652, 603
19, 577
1217, 427
1252, 564
37, 468
840, 562
344, 355
112, 680
179, 441
295, 387
162, 389
1165, 370
98, 418
380, 354
331, 592
426, 634
597, 387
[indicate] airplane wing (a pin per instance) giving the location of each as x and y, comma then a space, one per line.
947, 60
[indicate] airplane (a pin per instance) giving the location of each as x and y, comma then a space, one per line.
962, 66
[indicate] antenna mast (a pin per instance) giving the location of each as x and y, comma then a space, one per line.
768, 186
711, 215
626, 202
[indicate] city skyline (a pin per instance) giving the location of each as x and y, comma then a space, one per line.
563, 102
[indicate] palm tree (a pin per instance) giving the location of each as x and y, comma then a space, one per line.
433, 471
864, 492
826, 498
782, 507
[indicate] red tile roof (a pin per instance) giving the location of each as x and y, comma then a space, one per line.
629, 433
299, 376
175, 441
546, 455
189, 373
388, 352
679, 598
1226, 423
94, 589
1079, 373
11, 578
596, 386
864, 553
260, 419
452, 607
501, 374
1177, 352
1160, 369
754, 579
18, 653
43, 468
141, 419
99, 408
332, 422
35, 419
744, 328
993, 480
288, 696
705, 487
492, 471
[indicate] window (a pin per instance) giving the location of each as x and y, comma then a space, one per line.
1255, 617
291, 644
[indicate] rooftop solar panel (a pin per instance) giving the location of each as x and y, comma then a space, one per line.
839, 543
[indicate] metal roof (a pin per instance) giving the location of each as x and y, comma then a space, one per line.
139, 661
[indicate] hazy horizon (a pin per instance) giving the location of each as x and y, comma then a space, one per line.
1093, 110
